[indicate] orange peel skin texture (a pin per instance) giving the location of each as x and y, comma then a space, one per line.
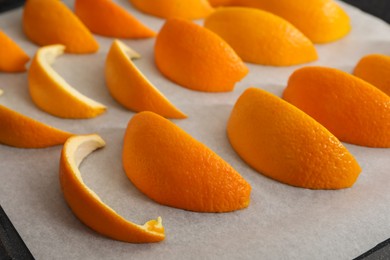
188, 9
86, 204
353, 110
21, 131
322, 21
104, 17
216, 3
12, 57
261, 37
51, 93
375, 69
47, 22
130, 87
173, 169
285, 144
197, 58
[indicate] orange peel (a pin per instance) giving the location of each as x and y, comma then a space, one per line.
282, 142
21, 131
189, 9
86, 204
261, 37
197, 59
321, 21
130, 87
47, 22
51, 93
353, 110
12, 57
173, 169
106, 18
375, 69
216, 3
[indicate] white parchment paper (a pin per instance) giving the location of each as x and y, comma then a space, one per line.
282, 222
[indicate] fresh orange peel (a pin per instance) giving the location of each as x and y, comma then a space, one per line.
130, 87
18, 130
104, 17
261, 37
173, 169
47, 22
197, 58
353, 110
86, 204
283, 143
51, 93
322, 21
188, 9
12, 57
375, 69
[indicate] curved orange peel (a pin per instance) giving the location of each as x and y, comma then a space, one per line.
375, 69
52, 93
21, 131
285, 144
261, 37
130, 87
321, 21
197, 58
353, 110
188, 9
12, 57
47, 22
174, 169
86, 204
106, 18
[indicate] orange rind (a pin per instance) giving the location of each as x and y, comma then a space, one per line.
197, 58
189, 9
21, 131
87, 205
104, 17
173, 169
130, 87
321, 21
353, 110
282, 142
375, 69
47, 22
12, 57
216, 3
51, 93
261, 37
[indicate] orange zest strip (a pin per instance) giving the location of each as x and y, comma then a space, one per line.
51, 93
86, 204
131, 88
